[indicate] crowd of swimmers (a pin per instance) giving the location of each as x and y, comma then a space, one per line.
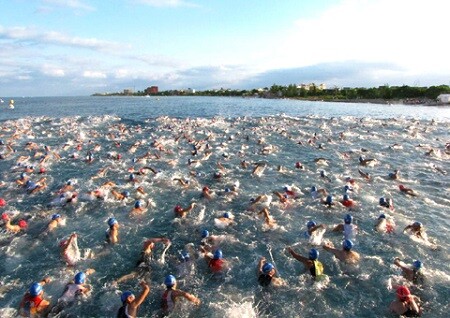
32, 180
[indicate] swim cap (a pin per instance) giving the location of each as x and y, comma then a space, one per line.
23, 175
205, 189
2, 202
185, 255
35, 289
417, 224
329, 199
126, 194
42, 170
313, 254
56, 216
313, 189
23, 224
170, 280
382, 201
69, 182
125, 295
267, 268
178, 209
218, 254
348, 219
382, 216
80, 278
347, 188
137, 204
310, 224
226, 215
217, 175
4, 216
361, 158
298, 164
346, 197
131, 177
323, 173
403, 292
417, 264
112, 221
347, 245
227, 190
205, 233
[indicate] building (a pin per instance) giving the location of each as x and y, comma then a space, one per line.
151, 90
444, 98
128, 91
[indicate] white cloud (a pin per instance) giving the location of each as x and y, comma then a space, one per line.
73, 4
167, 3
94, 74
53, 71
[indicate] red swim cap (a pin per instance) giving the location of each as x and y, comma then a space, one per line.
178, 209
205, 189
23, 223
403, 292
298, 164
401, 187
5, 216
2, 202
42, 170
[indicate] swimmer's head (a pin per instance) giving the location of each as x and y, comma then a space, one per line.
313, 254
329, 199
137, 204
205, 233
417, 224
382, 201
69, 183
56, 216
2, 202
218, 254
23, 224
178, 209
401, 187
323, 173
310, 224
125, 297
205, 189
313, 189
23, 175
170, 281
267, 268
126, 194
417, 264
226, 215
346, 197
348, 219
298, 164
347, 188
80, 278
227, 190
131, 177
35, 289
403, 293
185, 256
217, 175
382, 216
347, 245
361, 158
112, 221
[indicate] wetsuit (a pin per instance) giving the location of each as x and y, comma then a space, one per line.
410, 313
123, 311
264, 280
167, 302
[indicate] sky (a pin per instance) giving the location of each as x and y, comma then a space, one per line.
81, 47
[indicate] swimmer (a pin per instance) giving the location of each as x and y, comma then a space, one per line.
363, 174
328, 201
183, 182
394, 175
216, 263
311, 263
225, 220
405, 304
139, 207
408, 191
70, 251
181, 213
262, 201
323, 175
416, 229
172, 295
283, 197
268, 219
33, 303
347, 202
54, 222
74, 289
67, 187
318, 193
121, 196
346, 254
299, 165
23, 178
413, 274
386, 203
130, 303
348, 228
206, 193
112, 234
266, 274
384, 225
33, 187
14, 228
366, 162
259, 169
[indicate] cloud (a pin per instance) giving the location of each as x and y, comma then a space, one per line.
167, 3
94, 74
72, 4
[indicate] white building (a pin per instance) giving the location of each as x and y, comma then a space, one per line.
444, 98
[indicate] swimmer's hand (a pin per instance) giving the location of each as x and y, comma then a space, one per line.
89, 271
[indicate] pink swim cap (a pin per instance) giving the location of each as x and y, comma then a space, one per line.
23, 223
5, 216
2, 202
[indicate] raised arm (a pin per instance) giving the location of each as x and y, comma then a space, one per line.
140, 299
298, 257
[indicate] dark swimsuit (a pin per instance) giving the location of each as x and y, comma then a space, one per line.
264, 280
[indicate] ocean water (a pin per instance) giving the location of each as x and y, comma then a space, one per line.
277, 133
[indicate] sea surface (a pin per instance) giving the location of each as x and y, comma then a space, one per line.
120, 134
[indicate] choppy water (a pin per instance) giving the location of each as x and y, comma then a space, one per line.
236, 130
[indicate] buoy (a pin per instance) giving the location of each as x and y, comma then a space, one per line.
11, 104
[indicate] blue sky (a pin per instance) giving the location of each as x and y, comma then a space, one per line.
79, 47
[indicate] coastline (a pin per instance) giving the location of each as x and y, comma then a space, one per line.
380, 101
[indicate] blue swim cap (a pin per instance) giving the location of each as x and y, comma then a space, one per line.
347, 188
226, 215
348, 219
23, 175
346, 197
323, 173
227, 190
313, 254
56, 216
131, 177
80, 278
267, 268
382, 216
329, 199
218, 254
125, 295
417, 224
417, 264
69, 182
313, 189
205, 233
361, 158
112, 221
185, 256
137, 204
347, 245
126, 194
383, 200
35, 289
310, 224
170, 280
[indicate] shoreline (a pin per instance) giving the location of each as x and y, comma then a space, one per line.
379, 101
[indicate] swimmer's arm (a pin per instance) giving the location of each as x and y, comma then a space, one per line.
338, 228
188, 296
298, 257
331, 249
399, 264
140, 299
413, 305
315, 228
